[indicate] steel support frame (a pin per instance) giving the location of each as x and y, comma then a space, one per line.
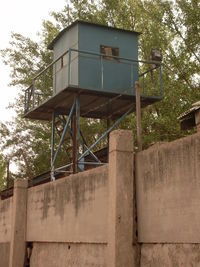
71, 125
54, 153
76, 135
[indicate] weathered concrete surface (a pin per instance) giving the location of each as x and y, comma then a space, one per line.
68, 255
72, 209
6, 207
121, 215
5, 219
18, 230
168, 192
4, 254
170, 255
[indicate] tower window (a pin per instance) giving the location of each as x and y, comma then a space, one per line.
111, 53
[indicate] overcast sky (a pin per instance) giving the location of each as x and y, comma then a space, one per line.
24, 17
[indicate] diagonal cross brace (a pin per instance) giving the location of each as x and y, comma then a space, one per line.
106, 133
63, 134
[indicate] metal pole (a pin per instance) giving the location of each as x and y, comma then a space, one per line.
108, 127
52, 147
74, 133
77, 127
138, 115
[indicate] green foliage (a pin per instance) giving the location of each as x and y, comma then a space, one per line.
2, 173
171, 26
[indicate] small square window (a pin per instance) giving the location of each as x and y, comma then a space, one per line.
111, 53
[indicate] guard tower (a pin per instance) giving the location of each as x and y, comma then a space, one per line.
93, 74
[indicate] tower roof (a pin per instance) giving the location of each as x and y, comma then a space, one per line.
51, 45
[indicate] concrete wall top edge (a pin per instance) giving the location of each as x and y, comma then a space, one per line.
94, 171
163, 145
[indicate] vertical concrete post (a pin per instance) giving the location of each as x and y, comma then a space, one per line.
18, 231
121, 211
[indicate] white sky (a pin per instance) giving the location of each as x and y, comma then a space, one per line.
24, 17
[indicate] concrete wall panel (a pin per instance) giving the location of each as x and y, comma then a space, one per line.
168, 192
70, 255
165, 255
73, 209
4, 254
5, 219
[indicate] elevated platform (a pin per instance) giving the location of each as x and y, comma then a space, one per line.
93, 104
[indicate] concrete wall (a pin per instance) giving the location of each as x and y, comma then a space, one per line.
168, 192
5, 219
168, 201
88, 219
4, 254
170, 255
85, 219
5, 230
68, 220
68, 254
72, 209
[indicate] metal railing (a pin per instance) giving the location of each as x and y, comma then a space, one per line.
44, 84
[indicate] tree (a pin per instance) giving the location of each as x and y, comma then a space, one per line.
161, 24
2, 173
171, 26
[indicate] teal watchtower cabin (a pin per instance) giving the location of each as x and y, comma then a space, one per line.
87, 70
92, 75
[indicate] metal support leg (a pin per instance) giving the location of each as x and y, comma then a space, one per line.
66, 128
74, 156
76, 134
138, 115
52, 146
77, 127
